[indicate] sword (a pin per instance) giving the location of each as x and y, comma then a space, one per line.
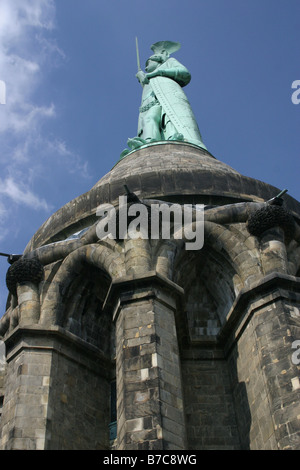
137, 54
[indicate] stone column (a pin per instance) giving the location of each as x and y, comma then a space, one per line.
29, 303
266, 379
56, 392
274, 227
273, 251
277, 325
150, 410
25, 407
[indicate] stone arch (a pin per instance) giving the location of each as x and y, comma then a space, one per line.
213, 276
82, 310
107, 263
208, 281
238, 247
164, 256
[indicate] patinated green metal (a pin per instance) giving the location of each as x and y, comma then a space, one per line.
165, 113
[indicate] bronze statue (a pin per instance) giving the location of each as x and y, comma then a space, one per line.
165, 112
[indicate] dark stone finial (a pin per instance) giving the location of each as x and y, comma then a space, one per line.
22, 270
269, 217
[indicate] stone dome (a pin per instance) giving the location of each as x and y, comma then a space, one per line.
173, 171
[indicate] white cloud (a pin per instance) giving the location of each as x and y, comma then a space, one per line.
21, 58
20, 194
24, 117
22, 67
17, 14
72, 160
28, 51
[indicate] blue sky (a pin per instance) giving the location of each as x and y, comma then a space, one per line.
72, 97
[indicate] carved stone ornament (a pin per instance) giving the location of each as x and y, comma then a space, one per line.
269, 217
30, 270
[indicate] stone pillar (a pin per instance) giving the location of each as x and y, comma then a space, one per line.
266, 380
29, 303
277, 325
273, 226
273, 251
56, 392
24, 416
149, 390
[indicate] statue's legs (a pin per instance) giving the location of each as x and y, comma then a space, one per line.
150, 124
169, 130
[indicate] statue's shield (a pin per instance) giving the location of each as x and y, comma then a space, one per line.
177, 107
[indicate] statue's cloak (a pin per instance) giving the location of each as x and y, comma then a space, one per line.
177, 107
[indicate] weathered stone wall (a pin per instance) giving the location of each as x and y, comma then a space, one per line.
209, 408
265, 380
24, 418
246, 394
57, 393
78, 413
149, 388
2, 389
253, 414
